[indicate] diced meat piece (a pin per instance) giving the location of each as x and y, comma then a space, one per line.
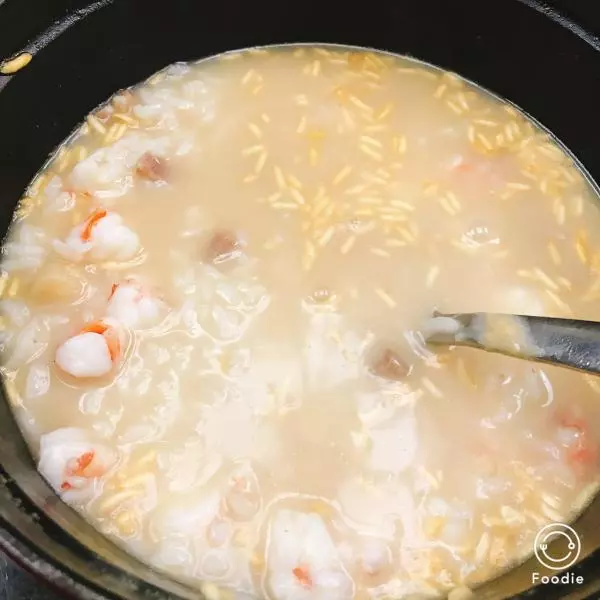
151, 167
388, 364
223, 246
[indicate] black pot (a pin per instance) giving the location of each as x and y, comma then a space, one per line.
544, 56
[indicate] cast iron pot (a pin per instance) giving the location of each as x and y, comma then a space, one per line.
544, 56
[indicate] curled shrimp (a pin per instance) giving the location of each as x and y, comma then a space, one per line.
72, 462
135, 305
102, 236
580, 449
93, 352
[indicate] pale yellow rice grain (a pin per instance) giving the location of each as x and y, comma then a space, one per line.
387, 299
297, 196
384, 112
471, 134
395, 243
545, 279
462, 101
285, 205
559, 303
431, 387
348, 118
211, 591
370, 152
96, 124
260, 162
515, 185
250, 178
484, 141
397, 218
342, 175
120, 131
445, 204
432, 276
380, 252
255, 129
13, 287
252, 149
360, 104
302, 125
326, 237
125, 118
375, 128
248, 76
110, 134
357, 189
403, 205
483, 547
561, 214
440, 90
280, 178
554, 254
313, 157
406, 234
371, 141
430, 189
294, 182
454, 107
347, 245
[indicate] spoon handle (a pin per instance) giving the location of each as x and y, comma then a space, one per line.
566, 342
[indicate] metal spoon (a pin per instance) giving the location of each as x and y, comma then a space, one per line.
565, 342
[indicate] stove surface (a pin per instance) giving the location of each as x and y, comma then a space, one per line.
16, 584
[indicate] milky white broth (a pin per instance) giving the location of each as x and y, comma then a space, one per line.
212, 298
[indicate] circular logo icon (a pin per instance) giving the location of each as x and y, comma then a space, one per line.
561, 557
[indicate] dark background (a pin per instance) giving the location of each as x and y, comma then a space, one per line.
15, 584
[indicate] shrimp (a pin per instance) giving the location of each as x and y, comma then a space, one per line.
135, 305
102, 236
93, 352
72, 463
574, 435
303, 560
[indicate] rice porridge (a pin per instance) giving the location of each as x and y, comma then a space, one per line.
211, 304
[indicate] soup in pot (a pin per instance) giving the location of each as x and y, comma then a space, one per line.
211, 311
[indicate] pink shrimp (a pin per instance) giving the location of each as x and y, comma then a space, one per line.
72, 462
302, 574
581, 450
135, 304
93, 352
102, 236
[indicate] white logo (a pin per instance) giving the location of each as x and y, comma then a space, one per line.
557, 559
